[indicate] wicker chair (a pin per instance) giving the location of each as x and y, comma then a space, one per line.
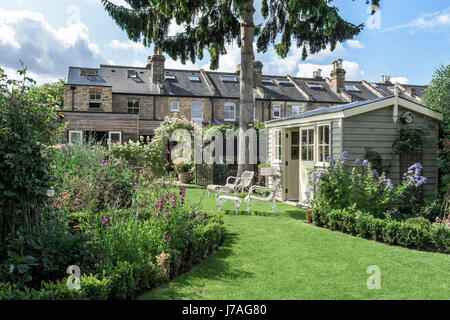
264, 194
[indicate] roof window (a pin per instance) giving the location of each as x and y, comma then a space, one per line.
228, 79
351, 87
193, 77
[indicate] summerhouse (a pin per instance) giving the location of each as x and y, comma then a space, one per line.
304, 141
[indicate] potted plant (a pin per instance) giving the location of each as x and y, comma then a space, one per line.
182, 167
266, 170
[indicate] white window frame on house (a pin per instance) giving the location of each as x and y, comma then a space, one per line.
322, 159
97, 99
297, 109
228, 79
175, 106
228, 114
277, 141
276, 108
196, 104
133, 109
110, 133
75, 132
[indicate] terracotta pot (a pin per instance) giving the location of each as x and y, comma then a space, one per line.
309, 216
184, 177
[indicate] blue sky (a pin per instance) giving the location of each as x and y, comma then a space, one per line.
407, 40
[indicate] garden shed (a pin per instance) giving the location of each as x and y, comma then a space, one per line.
366, 130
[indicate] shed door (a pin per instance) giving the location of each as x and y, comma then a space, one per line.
307, 158
292, 164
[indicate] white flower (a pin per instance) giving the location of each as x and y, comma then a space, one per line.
50, 193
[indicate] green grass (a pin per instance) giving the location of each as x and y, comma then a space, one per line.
282, 257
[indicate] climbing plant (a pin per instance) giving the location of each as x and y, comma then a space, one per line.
412, 139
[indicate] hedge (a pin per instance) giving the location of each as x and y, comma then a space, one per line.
416, 232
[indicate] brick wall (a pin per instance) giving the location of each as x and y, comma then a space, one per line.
81, 98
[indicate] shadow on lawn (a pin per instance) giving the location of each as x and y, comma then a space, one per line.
214, 267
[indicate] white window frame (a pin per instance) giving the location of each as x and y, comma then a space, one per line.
110, 133
227, 105
300, 109
95, 100
308, 145
278, 108
318, 144
76, 132
192, 109
277, 146
172, 104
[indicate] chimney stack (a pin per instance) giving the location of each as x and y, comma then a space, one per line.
257, 73
338, 76
156, 65
317, 74
238, 69
385, 79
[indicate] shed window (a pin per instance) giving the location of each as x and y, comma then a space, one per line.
197, 111
323, 142
276, 146
95, 100
307, 144
175, 106
75, 137
229, 111
276, 111
133, 106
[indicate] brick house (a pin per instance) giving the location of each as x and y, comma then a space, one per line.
120, 102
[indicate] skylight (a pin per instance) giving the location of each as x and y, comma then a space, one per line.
228, 78
314, 85
132, 74
267, 81
170, 77
283, 81
193, 77
351, 87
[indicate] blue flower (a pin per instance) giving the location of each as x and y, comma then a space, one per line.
365, 162
357, 162
375, 172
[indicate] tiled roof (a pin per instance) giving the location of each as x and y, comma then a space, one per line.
291, 89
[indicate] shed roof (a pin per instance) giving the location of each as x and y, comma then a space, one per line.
359, 107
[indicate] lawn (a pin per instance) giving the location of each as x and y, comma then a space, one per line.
282, 257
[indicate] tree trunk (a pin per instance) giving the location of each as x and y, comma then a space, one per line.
246, 84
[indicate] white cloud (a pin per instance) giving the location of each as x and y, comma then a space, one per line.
47, 52
401, 80
137, 47
117, 2
427, 21
353, 70
355, 44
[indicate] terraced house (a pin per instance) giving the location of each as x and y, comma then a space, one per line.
120, 102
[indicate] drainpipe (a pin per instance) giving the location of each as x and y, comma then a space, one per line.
73, 97
270, 108
262, 108
212, 109
154, 107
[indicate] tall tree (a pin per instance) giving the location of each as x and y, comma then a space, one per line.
211, 24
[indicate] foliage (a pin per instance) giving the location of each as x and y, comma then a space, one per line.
181, 165
313, 25
136, 153
417, 232
27, 128
377, 162
49, 93
338, 187
437, 97
409, 139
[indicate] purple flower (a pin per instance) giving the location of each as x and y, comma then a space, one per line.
101, 256
344, 156
107, 220
166, 237
365, 162
375, 172
357, 162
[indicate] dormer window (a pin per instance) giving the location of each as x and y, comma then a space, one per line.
132, 74
194, 78
88, 72
228, 79
351, 87
314, 85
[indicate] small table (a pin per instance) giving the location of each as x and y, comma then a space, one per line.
221, 200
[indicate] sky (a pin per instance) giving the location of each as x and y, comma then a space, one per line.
406, 39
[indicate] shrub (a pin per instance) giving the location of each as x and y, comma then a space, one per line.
416, 232
362, 188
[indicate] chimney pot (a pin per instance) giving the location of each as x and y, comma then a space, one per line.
338, 75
